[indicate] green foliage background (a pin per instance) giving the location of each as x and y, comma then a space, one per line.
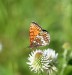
15, 17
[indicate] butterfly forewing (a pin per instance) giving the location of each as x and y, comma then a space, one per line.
34, 31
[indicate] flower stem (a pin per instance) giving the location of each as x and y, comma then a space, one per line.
65, 62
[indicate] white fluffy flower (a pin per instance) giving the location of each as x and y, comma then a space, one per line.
35, 61
49, 60
42, 60
50, 55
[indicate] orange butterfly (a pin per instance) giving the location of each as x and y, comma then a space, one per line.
38, 36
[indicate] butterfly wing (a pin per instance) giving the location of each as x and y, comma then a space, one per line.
38, 36
34, 31
45, 38
42, 39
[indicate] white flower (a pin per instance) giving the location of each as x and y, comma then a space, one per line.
49, 60
42, 60
50, 54
35, 61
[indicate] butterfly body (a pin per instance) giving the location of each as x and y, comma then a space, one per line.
38, 36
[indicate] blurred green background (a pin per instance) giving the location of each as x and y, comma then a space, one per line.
15, 18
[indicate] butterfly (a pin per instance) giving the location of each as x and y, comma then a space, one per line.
38, 36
